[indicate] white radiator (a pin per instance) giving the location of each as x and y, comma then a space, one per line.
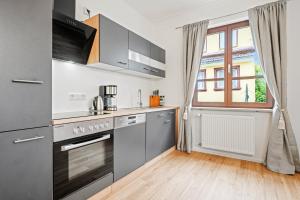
228, 133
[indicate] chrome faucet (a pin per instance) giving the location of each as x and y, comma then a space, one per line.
140, 103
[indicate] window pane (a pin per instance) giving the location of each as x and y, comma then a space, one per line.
212, 60
243, 54
205, 46
201, 75
222, 40
201, 85
234, 37
210, 95
251, 91
213, 43
235, 72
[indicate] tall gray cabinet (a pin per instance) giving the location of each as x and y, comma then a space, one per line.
25, 62
25, 100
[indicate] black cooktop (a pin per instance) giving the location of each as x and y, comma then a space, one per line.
68, 115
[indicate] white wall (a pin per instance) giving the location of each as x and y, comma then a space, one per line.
171, 38
72, 78
120, 12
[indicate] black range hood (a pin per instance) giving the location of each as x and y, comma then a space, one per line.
72, 40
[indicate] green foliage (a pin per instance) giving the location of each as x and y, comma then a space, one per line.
260, 87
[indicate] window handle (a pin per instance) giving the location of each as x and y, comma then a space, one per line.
229, 68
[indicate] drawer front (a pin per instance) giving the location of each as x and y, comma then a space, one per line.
26, 164
139, 67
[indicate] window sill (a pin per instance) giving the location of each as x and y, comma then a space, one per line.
261, 110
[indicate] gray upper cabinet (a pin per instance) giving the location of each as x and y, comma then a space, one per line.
113, 43
26, 164
139, 44
25, 60
160, 132
157, 53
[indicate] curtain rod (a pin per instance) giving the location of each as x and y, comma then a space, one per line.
228, 15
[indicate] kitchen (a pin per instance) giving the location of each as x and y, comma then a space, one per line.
93, 134
93, 106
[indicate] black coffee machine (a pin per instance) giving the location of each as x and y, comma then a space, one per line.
109, 96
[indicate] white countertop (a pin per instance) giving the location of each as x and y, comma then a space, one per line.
120, 112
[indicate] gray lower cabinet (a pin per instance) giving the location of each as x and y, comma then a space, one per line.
160, 132
113, 43
25, 60
129, 149
26, 164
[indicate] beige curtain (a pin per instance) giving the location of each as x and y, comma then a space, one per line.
194, 36
268, 24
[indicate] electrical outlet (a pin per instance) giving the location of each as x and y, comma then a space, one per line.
77, 96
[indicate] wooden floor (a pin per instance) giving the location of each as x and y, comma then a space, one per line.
202, 176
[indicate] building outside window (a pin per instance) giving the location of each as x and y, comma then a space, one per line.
201, 84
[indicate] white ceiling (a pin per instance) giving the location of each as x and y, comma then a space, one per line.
156, 10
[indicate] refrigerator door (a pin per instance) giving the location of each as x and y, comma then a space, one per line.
25, 63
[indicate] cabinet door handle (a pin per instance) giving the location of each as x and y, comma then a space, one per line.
155, 71
122, 63
27, 81
146, 69
28, 139
167, 121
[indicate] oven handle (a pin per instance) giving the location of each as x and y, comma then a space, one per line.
74, 146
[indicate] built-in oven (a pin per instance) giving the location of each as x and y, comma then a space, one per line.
82, 155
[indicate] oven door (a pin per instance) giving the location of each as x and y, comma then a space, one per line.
80, 161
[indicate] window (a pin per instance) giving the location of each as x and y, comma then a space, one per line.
219, 79
230, 74
221, 40
235, 74
205, 47
201, 85
235, 38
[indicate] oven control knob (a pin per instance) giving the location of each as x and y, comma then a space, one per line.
101, 126
106, 125
96, 127
75, 131
91, 128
